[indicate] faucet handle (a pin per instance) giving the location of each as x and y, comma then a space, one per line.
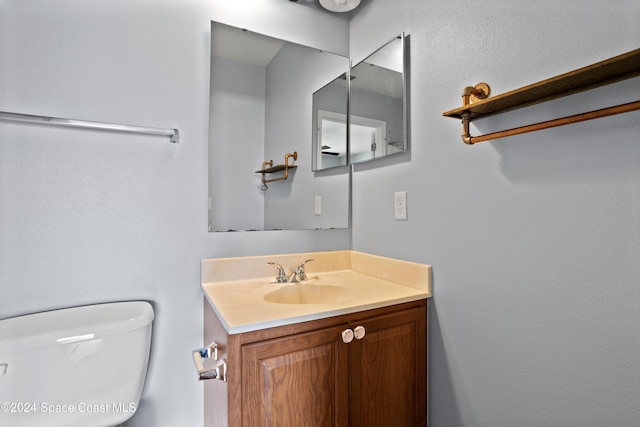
302, 275
282, 276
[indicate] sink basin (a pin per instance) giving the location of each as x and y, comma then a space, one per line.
304, 293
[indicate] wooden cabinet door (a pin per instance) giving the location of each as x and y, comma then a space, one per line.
299, 380
388, 377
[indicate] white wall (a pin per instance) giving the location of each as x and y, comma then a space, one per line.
88, 217
534, 239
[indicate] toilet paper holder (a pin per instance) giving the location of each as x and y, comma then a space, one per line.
218, 371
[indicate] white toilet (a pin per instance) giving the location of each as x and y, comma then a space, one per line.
82, 366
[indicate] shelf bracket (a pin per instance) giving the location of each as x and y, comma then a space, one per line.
472, 94
277, 168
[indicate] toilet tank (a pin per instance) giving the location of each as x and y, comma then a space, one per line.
82, 366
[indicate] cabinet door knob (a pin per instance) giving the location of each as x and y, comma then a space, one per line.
359, 332
347, 336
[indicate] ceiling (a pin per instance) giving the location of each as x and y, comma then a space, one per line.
243, 46
256, 49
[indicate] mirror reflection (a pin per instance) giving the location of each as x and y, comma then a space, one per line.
261, 92
377, 104
330, 125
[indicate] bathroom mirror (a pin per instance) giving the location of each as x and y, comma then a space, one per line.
378, 113
261, 92
329, 125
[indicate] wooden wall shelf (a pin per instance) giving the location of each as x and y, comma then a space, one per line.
276, 168
612, 70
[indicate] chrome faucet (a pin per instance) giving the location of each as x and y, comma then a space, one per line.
299, 274
282, 276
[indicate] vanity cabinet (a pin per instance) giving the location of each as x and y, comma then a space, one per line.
360, 369
297, 380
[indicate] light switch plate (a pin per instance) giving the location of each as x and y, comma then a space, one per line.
318, 205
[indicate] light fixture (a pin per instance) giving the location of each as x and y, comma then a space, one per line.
340, 5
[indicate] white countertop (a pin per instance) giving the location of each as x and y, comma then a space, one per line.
241, 307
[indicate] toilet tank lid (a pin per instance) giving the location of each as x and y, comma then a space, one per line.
68, 325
